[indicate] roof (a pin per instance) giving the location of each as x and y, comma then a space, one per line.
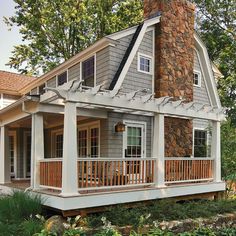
12, 82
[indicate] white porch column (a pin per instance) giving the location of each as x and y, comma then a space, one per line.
37, 148
5, 167
216, 150
69, 165
158, 150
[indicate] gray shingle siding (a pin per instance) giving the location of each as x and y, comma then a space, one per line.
200, 94
115, 140
52, 82
102, 66
74, 72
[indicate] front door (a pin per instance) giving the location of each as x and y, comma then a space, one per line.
134, 147
88, 140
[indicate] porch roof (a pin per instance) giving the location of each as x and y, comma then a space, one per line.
136, 102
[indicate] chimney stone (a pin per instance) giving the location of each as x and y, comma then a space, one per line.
174, 61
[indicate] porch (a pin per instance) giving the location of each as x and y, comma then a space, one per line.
84, 166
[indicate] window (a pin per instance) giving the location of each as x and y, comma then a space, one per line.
62, 78
57, 143
41, 89
144, 63
88, 71
197, 78
200, 143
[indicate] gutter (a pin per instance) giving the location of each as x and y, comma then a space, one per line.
17, 103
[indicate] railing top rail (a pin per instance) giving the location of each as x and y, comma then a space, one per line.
188, 158
51, 160
115, 159
100, 159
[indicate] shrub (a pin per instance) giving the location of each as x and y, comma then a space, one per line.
19, 206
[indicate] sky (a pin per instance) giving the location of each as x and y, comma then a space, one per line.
7, 38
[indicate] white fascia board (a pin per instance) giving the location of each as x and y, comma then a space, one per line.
207, 70
133, 52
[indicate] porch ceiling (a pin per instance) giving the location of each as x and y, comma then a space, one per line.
97, 98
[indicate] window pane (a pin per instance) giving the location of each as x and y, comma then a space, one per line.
200, 143
88, 72
62, 78
144, 64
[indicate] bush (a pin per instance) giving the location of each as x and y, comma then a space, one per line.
19, 206
162, 210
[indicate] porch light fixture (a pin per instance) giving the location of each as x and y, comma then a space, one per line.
119, 127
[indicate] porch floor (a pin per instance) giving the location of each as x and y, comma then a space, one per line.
24, 184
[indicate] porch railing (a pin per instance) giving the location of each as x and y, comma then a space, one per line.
185, 169
104, 173
51, 173
100, 172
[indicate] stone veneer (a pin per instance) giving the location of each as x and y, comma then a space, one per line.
174, 61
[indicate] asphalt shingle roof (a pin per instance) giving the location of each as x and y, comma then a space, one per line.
14, 82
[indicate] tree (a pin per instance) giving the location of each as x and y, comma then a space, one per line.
216, 23
228, 144
56, 30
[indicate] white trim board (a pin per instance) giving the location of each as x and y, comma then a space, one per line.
126, 196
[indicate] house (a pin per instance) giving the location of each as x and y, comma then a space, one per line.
134, 117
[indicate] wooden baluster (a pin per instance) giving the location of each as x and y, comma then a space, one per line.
99, 173
123, 173
111, 171
114, 173
119, 175
144, 177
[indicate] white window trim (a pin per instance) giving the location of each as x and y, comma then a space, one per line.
53, 141
207, 138
88, 126
60, 74
95, 67
200, 78
151, 63
133, 123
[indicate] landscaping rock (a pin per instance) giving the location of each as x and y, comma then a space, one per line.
55, 224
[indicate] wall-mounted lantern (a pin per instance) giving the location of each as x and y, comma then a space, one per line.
119, 127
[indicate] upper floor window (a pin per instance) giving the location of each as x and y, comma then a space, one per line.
62, 78
197, 78
41, 89
144, 63
200, 143
88, 71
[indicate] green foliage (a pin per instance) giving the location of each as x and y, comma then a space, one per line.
216, 25
228, 146
162, 210
30, 227
19, 206
56, 30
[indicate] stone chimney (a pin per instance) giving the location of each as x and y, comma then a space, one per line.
174, 60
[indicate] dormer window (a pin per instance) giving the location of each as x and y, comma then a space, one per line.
144, 63
88, 72
197, 78
62, 78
